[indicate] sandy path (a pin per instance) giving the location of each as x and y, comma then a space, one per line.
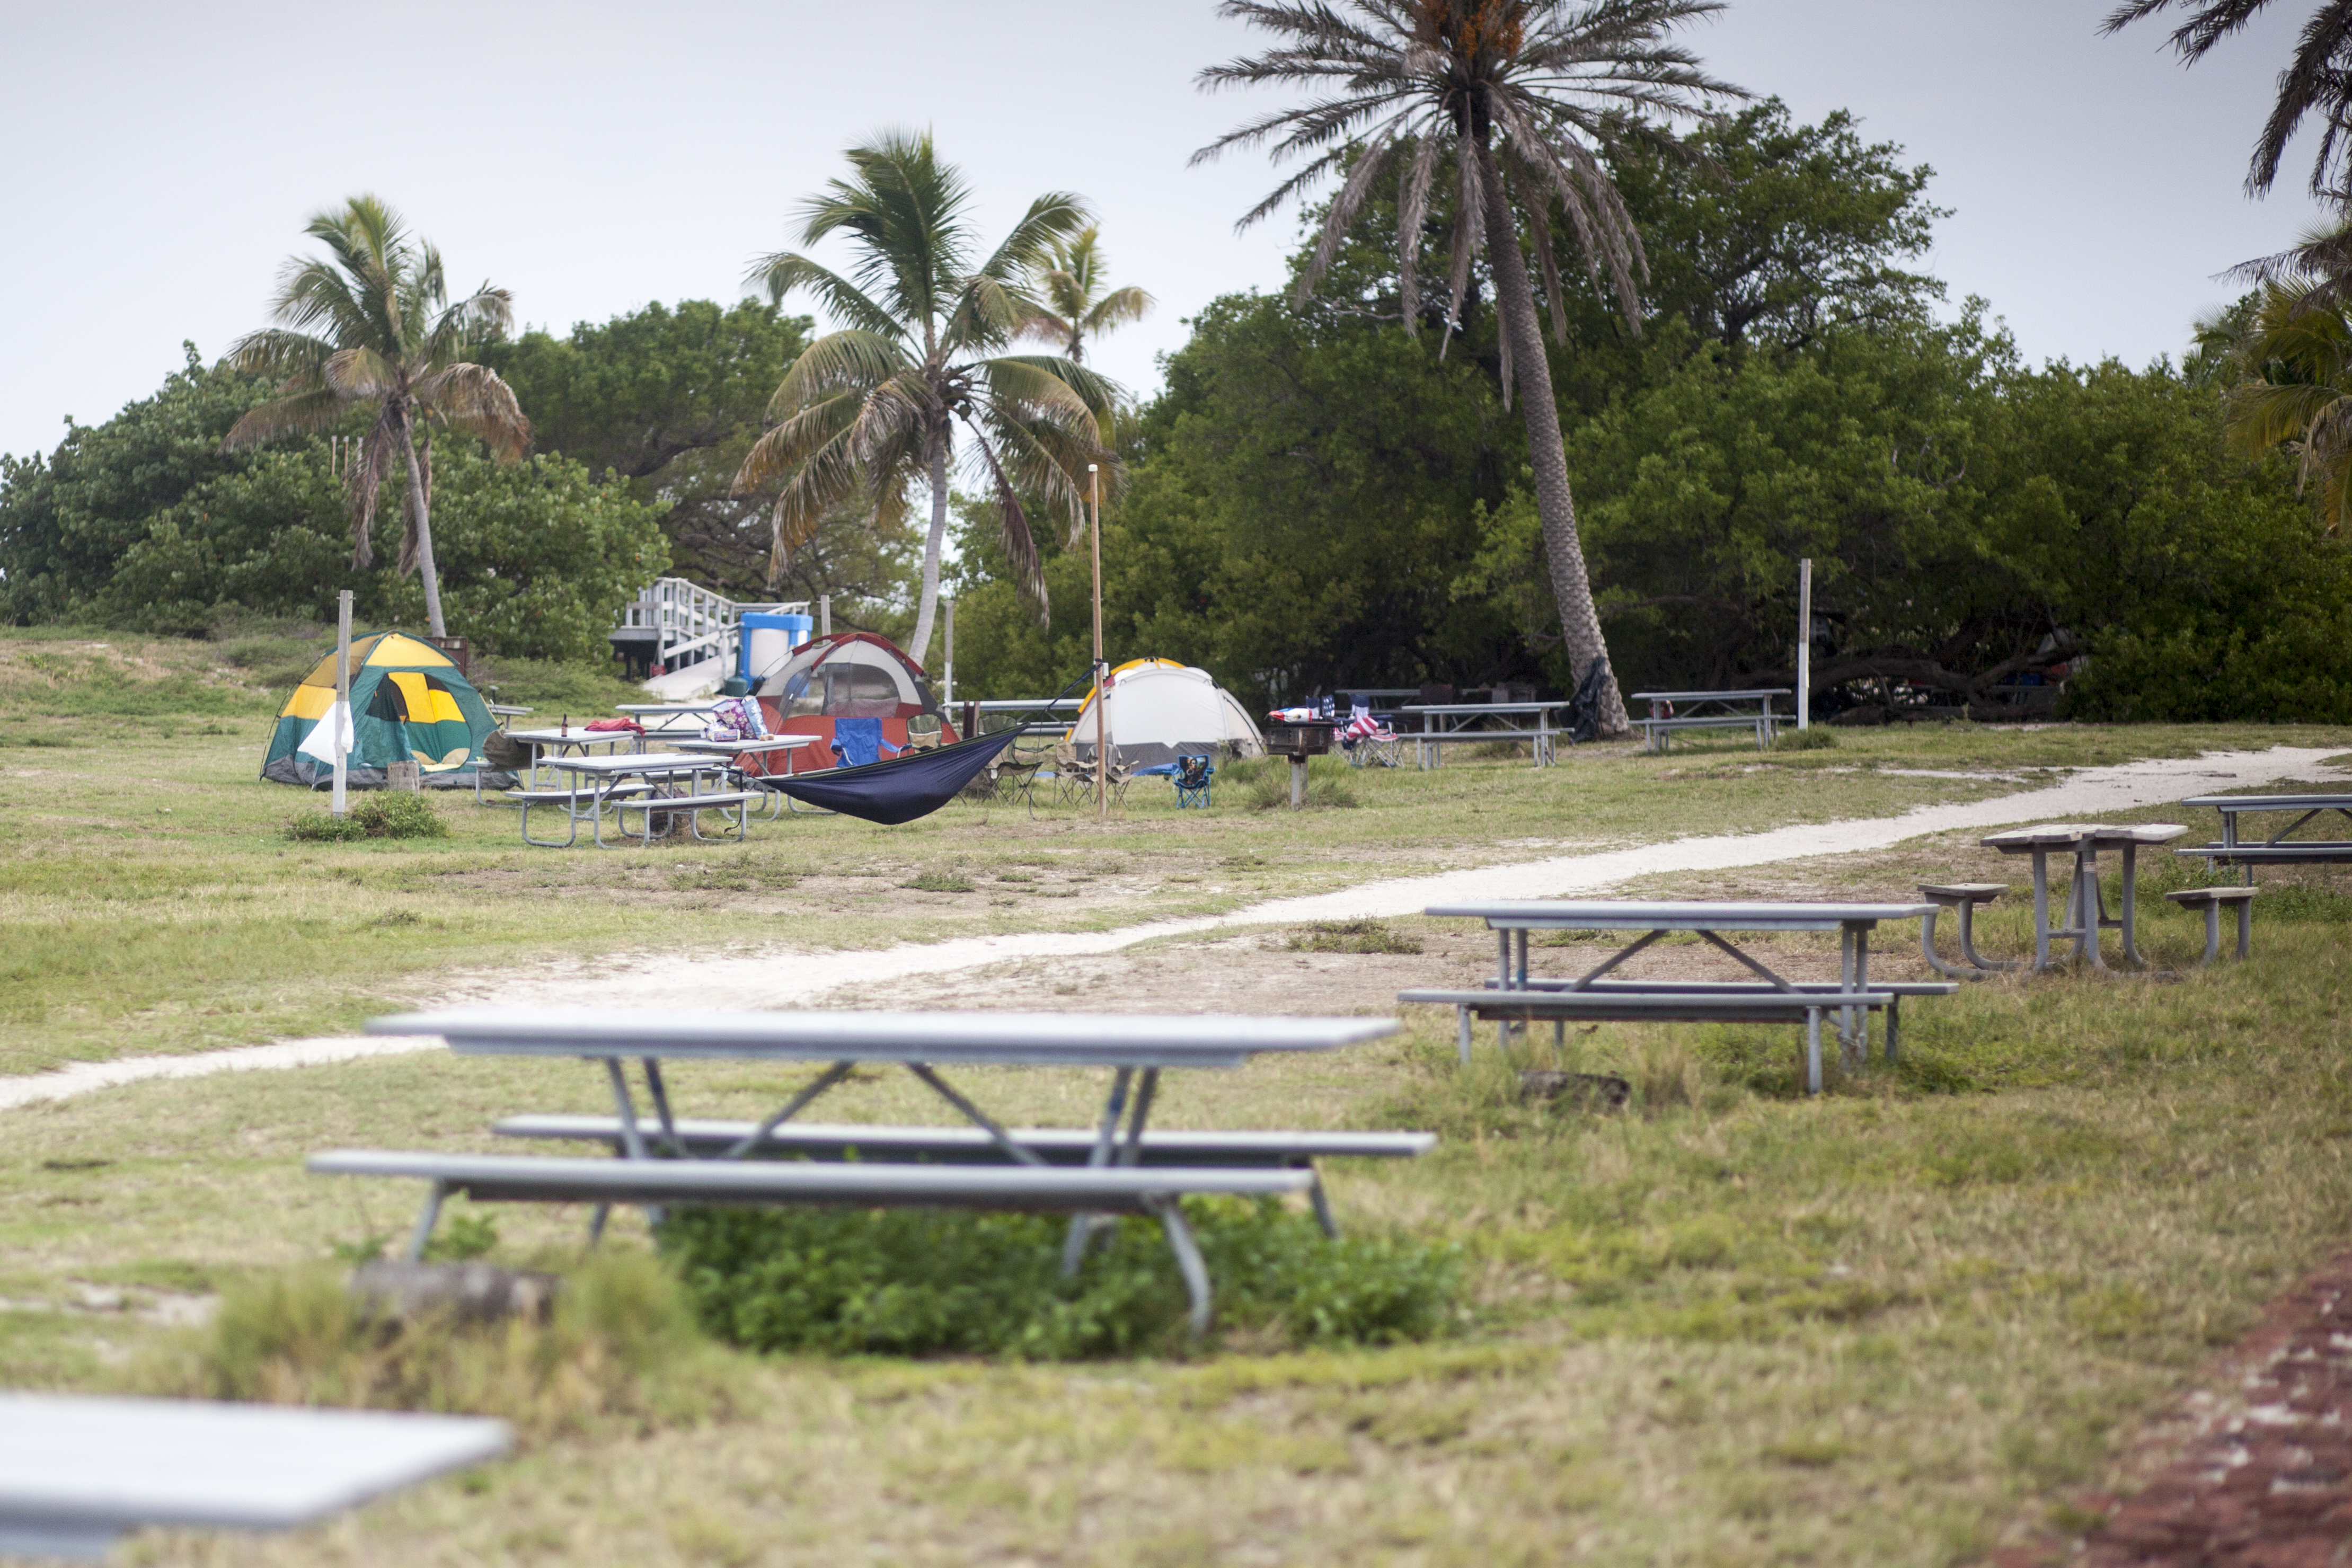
782, 976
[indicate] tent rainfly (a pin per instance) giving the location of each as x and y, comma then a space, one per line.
409, 704
1159, 710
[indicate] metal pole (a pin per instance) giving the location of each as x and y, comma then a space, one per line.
950, 670
342, 699
1102, 693
1804, 643
824, 615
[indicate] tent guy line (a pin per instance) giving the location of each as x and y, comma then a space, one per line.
754, 981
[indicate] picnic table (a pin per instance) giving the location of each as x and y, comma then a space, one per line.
2278, 849
76, 1472
735, 751
1729, 710
1770, 998
622, 783
1134, 1048
2086, 902
1444, 724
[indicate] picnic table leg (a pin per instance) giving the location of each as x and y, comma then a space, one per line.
978, 1117
1133, 1152
426, 1220
2091, 902
1862, 983
659, 1093
2131, 892
2041, 911
1074, 1244
2245, 928
1523, 961
1812, 1050
1461, 1028
632, 1144
1170, 1213
2212, 933
792, 1108
1845, 983
1503, 983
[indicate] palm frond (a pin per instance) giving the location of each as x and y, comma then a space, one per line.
849, 361
1012, 527
298, 413
473, 399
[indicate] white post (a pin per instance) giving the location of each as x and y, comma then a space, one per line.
824, 615
342, 699
1805, 643
1102, 671
950, 661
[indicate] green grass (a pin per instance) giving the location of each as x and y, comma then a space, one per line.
1899, 1325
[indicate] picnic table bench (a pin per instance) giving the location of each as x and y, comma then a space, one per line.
76, 1471
1730, 713
1113, 1178
2233, 849
613, 786
1515, 996
1458, 723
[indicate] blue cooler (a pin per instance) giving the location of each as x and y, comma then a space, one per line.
767, 640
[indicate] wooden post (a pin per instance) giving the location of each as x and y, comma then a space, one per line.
1102, 685
949, 699
824, 615
1804, 643
340, 715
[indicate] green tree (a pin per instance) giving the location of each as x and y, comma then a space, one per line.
374, 326
1521, 98
879, 404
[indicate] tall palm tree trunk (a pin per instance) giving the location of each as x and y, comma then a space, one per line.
421, 512
927, 608
1579, 624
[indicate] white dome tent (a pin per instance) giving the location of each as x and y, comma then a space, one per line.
1159, 710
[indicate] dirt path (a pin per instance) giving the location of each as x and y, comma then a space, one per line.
782, 975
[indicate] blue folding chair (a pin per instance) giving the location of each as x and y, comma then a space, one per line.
858, 741
1193, 777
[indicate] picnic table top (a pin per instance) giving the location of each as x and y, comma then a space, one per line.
1625, 914
1710, 696
2047, 835
75, 1471
636, 762
665, 709
2234, 803
577, 734
1030, 1040
737, 748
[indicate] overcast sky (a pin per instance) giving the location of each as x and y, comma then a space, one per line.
162, 159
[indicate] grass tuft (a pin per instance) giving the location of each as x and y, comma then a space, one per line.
1352, 936
389, 814
1819, 738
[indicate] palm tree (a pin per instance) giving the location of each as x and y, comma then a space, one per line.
375, 325
1519, 100
2317, 81
881, 403
1074, 302
2287, 367
1075, 297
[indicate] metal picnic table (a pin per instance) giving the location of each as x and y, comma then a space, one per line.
556, 741
2278, 849
2086, 902
1136, 1047
76, 1472
1441, 723
1512, 921
605, 775
764, 746
1657, 730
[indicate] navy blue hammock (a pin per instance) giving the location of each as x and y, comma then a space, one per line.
902, 787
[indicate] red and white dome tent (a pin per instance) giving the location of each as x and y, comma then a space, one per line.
852, 676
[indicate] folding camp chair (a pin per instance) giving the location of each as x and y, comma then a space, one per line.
1193, 777
1367, 742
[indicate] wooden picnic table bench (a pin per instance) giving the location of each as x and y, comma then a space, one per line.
76, 1471
2278, 849
1658, 729
2085, 914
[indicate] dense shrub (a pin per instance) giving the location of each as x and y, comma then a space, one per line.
382, 814
913, 1282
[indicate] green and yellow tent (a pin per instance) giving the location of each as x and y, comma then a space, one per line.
409, 704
